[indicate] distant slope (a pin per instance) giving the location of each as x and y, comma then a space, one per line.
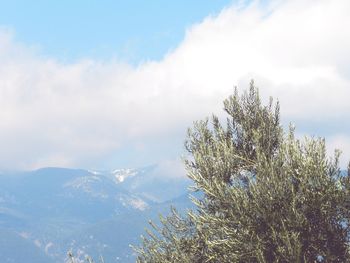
97, 212
112, 238
14, 248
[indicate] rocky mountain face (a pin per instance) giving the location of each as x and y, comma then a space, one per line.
47, 212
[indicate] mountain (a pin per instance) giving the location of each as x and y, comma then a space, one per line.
152, 185
112, 238
16, 248
53, 210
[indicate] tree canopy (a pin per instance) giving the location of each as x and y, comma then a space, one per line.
266, 195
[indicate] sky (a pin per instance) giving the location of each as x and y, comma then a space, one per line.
132, 31
111, 84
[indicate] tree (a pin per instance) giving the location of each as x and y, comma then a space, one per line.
267, 196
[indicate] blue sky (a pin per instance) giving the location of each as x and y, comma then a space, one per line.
131, 30
108, 84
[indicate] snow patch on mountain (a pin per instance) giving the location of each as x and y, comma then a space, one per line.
95, 172
120, 175
134, 202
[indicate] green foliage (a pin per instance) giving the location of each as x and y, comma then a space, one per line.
267, 196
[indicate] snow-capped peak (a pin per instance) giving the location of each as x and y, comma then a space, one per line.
121, 174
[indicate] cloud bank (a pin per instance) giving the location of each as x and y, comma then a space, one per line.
57, 114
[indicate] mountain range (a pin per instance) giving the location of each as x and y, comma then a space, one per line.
47, 212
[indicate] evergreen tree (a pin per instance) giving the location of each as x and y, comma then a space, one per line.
267, 196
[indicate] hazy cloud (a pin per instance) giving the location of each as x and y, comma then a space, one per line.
71, 114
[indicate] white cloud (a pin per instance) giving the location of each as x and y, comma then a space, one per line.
70, 114
340, 142
174, 169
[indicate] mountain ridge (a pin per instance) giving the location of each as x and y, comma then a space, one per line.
54, 210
